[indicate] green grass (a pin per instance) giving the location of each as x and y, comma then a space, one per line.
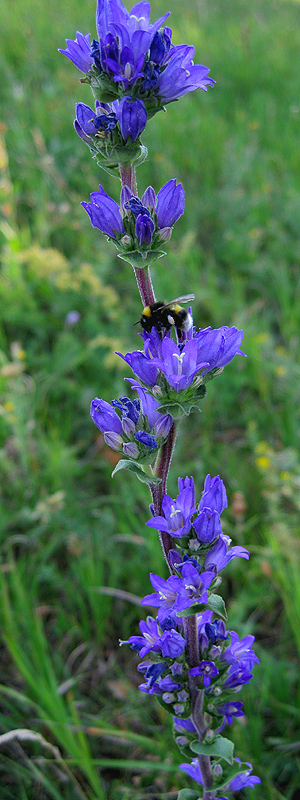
67, 530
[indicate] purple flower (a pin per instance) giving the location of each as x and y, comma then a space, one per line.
238, 674
184, 483
163, 686
230, 710
141, 366
134, 56
146, 439
215, 631
149, 641
72, 318
179, 365
181, 75
244, 780
218, 346
153, 673
170, 204
132, 118
127, 433
105, 214
220, 554
144, 229
135, 222
207, 670
182, 725
177, 514
176, 593
104, 416
89, 123
193, 770
240, 650
214, 495
79, 51
207, 525
172, 644
160, 423
125, 38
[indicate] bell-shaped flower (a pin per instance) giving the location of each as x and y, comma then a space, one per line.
105, 214
132, 118
214, 495
79, 51
220, 554
187, 483
181, 75
207, 525
218, 346
229, 710
238, 674
244, 780
104, 416
240, 650
176, 593
170, 204
176, 519
207, 670
179, 365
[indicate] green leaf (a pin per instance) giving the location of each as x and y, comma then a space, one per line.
141, 260
140, 473
191, 611
216, 604
219, 748
188, 794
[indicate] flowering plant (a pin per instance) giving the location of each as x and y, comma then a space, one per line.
193, 664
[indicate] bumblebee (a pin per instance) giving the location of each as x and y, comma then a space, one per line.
164, 316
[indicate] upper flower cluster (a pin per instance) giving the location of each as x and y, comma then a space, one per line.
135, 58
177, 373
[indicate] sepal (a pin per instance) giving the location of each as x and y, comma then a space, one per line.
141, 260
188, 794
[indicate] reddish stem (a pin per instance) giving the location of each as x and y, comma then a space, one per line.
143, 279
128, 178
161, 470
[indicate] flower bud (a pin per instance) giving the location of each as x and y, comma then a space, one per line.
162, 426
130, 449
126, 241
217, 771
132, 118
165, 234
113, 440
128, 426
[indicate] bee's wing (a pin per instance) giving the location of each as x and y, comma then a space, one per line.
184, 298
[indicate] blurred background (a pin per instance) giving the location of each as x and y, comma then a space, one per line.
72, 539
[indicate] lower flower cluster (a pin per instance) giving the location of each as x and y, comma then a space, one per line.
224, 662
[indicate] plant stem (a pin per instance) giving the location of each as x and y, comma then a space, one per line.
191, 637
128, 178
143, 279
161, 470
